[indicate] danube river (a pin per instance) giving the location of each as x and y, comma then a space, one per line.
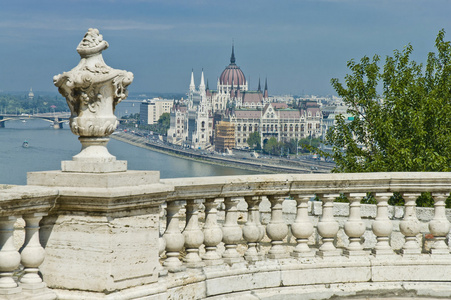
48, 147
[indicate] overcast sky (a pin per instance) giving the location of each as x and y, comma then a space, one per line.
298, 45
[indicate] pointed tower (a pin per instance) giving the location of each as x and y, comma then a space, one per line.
202, 82
192, 87
259, 89
232, 57
265, 95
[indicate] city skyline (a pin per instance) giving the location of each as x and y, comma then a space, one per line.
298, 45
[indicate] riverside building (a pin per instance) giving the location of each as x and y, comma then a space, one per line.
193, 124
151, 110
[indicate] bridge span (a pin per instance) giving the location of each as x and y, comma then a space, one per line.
57, 119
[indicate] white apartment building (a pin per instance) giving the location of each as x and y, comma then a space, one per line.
150, 110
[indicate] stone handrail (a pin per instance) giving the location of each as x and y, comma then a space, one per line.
282, 184
238, 237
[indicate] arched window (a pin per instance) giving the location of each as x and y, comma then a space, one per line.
203, 124
244, 127
296, 128
264, 128
302, 127
285, 128
291, 127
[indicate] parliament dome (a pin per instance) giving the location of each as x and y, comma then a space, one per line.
232, 74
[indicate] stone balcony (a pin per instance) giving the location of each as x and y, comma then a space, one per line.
239, 237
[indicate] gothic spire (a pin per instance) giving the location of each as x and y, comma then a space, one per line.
259, 86
265, 94
202, 81
232, 57
192, 87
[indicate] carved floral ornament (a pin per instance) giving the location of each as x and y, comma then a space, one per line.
92, 89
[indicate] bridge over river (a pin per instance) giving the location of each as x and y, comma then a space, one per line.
57, 119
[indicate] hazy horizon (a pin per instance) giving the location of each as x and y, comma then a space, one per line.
298, 45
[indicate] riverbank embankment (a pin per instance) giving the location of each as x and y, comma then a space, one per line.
264, 165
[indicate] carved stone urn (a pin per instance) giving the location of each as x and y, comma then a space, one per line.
92, 90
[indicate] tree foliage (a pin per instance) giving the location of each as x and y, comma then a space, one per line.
17, 104
405, 124
272, 146
254, 140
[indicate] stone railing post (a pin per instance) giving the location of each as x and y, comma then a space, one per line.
101, 235
194, 236
302, 228
9, 257
410, 226
277, 229
252, 232
439, 226
354, 226
231, 231
328, 226
32, 253
382, 225
173, 237
212, 234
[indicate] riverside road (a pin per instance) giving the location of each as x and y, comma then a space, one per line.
239, 158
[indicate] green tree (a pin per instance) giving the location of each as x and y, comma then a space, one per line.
254, 140
406, 127
309, 144
165, 122
272, 146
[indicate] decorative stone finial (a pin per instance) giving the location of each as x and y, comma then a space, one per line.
92, 90
91, 43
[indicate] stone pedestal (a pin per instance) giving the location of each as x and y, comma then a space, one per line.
102, 235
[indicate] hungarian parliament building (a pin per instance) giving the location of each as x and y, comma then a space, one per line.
224, 118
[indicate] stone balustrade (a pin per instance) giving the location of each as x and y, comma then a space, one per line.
241, 237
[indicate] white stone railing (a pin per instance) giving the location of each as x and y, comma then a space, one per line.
240, 237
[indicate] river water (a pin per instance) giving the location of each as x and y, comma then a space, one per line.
48, 147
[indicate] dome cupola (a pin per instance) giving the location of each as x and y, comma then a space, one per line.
232, 75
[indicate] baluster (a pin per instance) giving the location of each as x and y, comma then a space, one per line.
32, 253
173, 237
410, 226
382, 225
252, 230
9, 256
161, 243
328, 226
212, 234
162, 246
194, 236
354, 226
231, 231
260, 226
277, 229
439, 226
302, 228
